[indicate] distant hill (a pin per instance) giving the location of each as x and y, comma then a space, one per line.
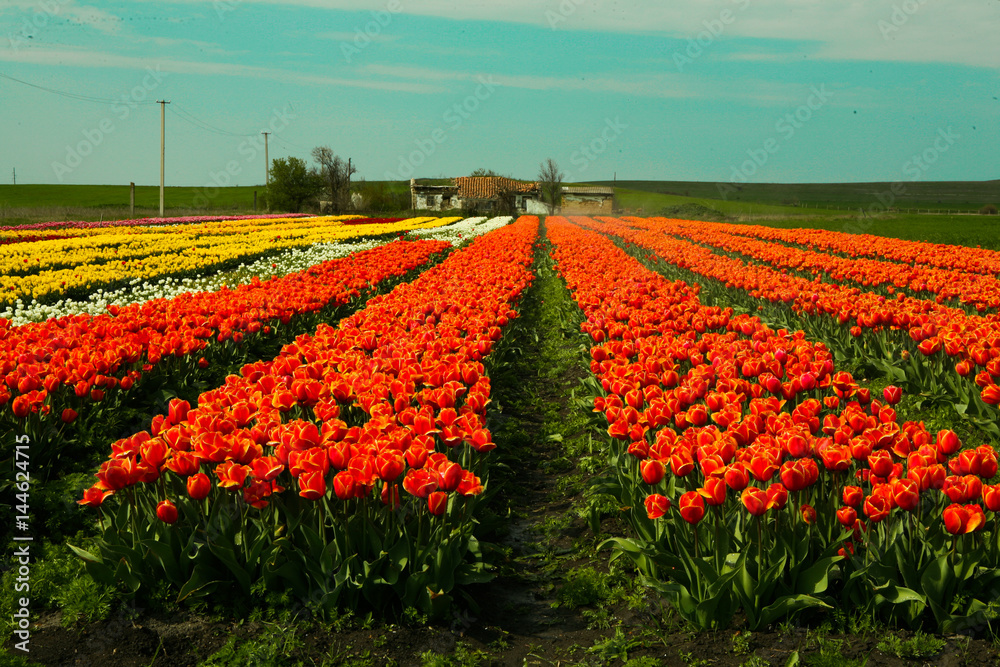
955, 195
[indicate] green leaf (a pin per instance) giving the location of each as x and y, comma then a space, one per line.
787, 605
816, 578
203, 577
85, 555
231, 561
168, 560
898, 594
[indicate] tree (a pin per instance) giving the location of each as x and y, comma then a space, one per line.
550, 179
484, 172
336, 174
292, 185
506, 200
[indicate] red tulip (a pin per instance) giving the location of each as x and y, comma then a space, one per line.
656, 505
437, 502
166, 512
777, 496
390, 466
691, 507
266, 468
991, 394
853, 496
755, 500
906, 494
199, 486
736, 477
955, 519
344, 485
991, 497
877, 507
892, 394
808, 514
94, 496
312, 484
948, 442
177, 410
714, 491
847, 516
652, 471
231, 475
20, 406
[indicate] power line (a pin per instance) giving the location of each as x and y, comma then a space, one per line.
289, 144
74, 96
189, 117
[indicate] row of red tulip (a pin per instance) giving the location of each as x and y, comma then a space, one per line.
698, 396
971, 342
917, 253
976, 290
51, 364
388, 409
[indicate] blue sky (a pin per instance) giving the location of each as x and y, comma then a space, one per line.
707, 90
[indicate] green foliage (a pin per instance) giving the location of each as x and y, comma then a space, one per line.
614, 647
741, 643
272, 648
58, 581
462, 656
688, 659
16, 661
830, 655
293, 185
584, 586
644, 661
919, 646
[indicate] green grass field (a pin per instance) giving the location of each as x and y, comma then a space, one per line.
966, 230
36, 203
656, 203
940, 195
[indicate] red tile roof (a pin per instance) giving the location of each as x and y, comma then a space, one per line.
487, 187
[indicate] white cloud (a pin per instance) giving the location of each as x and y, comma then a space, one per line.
83, 58
933, 31
30, 16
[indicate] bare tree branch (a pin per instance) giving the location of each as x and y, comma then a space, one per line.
550, 179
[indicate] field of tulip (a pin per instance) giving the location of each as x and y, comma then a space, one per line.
938, 351
805, 479
303, 412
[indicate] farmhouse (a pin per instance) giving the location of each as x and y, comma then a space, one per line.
587, 200
477, 193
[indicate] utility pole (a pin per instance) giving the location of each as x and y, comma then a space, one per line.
15, 175
163, 121
267, 163
267, 173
